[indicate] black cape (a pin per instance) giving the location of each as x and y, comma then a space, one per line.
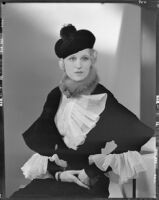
116, 123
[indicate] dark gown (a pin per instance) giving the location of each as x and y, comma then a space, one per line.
116, 123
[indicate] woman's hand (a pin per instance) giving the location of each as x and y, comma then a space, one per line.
72, 176
83, 177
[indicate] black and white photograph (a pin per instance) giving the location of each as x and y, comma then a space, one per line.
79, 100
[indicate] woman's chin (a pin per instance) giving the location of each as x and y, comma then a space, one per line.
78, 79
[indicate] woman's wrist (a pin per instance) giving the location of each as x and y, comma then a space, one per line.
57, 176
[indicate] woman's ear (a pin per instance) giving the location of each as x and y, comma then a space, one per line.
61, 63
95, 53
94, 56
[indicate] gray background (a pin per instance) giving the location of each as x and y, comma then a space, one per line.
30, 67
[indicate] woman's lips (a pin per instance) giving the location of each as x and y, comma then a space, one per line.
79, 72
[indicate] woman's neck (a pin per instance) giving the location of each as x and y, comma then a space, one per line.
72, 88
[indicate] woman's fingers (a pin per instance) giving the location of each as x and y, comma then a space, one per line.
75, 171
69, 176
78, 182
83, 177
61, 163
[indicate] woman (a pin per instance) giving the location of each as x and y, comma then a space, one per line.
83, 131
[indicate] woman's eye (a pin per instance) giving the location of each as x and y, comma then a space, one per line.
72, 58
85, 58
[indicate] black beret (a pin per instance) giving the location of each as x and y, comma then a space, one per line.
73, 41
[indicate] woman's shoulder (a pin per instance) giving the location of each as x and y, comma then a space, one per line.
101, 89
53, 94
113, 104
53, 97
54, 91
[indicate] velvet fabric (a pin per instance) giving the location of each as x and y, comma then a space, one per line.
73, 40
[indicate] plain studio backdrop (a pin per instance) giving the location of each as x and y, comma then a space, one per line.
30, 66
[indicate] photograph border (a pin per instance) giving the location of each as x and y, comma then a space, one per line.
145, 5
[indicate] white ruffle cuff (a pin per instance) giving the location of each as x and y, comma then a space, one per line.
36, 166
126, 165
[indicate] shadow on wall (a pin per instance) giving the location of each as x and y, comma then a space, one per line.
127, 62
122, 74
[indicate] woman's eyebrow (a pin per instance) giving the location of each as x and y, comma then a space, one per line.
72, 56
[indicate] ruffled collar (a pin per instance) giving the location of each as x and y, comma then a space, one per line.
77, 116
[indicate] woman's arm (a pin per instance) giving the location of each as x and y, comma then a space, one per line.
42, 136
128, 132
127, 163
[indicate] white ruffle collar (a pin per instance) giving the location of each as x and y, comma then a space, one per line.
77, 116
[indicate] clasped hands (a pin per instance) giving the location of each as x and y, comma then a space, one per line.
77, 176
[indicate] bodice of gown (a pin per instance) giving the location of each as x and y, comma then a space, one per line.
77, 116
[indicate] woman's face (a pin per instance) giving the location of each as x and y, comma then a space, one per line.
77, 66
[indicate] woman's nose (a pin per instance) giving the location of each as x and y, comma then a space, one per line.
78, 64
